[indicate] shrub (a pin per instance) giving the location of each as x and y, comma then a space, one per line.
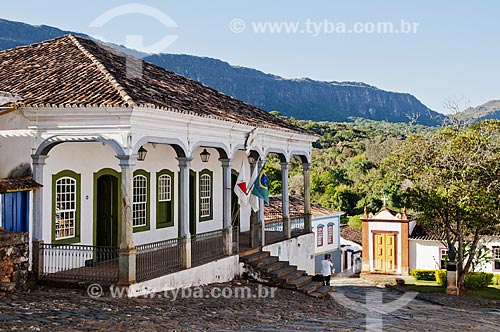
475, 280
429, 275
441, 277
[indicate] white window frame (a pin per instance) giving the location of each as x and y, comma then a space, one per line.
164, 188
68, 213
140, 219
205, 195
495, 254
329, 238
320, 239
443, 253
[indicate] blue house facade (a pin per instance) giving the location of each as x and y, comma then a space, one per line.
15, 198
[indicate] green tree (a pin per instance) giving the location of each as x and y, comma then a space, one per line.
452, 178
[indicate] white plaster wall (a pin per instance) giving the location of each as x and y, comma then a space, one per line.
82, 158
215, 166
88, 158
336, 234
298, 251
424, 255
384, 226
488, 266
14, 150
159, 157
218, 271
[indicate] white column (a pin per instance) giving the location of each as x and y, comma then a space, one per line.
36, 231
38, 164
285, 201
307, 198
127, 251
226, 206
184, 164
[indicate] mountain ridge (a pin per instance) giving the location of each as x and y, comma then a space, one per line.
301, 98
487, 111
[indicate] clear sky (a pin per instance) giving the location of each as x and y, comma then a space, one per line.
454, 52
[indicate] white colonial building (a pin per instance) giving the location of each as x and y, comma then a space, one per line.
393, 243
325, 226
137, 164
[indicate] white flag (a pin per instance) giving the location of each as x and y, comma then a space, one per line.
241, 187
254, 203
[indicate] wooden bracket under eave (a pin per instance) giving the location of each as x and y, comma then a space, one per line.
9, 110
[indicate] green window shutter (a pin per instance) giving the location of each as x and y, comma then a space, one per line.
165, 199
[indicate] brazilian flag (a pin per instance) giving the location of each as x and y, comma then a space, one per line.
260, 186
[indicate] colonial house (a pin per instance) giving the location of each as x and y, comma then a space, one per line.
397, 245
137, 166
325, 226
350, 244
428, 252
15, 186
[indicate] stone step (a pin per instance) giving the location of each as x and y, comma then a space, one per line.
299, 282
284, 271
322, 292
265, 261
287, 278
254, 257
311, 287
274, 266
250, 251
284, 275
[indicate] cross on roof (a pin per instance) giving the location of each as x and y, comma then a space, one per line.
384, 199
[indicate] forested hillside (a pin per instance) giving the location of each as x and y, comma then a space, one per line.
346, 171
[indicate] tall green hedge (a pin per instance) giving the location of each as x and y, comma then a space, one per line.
429, 275
474, 280
441, 277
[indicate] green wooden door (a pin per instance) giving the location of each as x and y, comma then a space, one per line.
192, 203
107, 211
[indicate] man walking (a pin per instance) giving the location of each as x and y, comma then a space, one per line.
326, 269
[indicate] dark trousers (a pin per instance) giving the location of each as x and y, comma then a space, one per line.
326, 280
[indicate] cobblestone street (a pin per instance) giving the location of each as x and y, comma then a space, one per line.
73, 310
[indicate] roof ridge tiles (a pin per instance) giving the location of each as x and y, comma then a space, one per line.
107, 75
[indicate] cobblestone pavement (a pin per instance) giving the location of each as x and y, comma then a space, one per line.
424, 312
52, 309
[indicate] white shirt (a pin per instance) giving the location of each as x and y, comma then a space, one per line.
326, 267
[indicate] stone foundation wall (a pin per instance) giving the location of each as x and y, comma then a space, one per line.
14, 260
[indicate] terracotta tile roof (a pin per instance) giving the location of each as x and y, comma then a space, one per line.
72, 71
273, 210
351, 234
420, 233
18, 184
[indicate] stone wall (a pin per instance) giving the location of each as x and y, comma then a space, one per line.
14, 260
